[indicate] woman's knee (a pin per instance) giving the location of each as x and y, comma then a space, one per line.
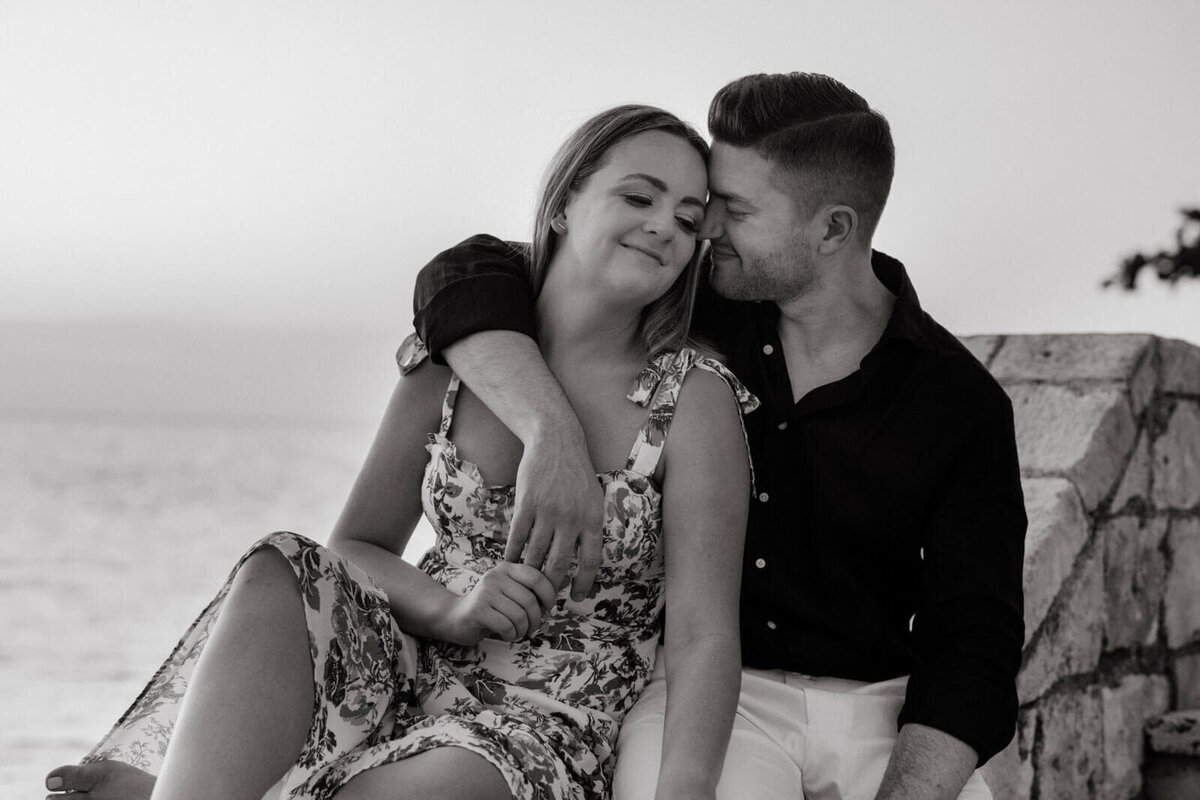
265, 577
283, 541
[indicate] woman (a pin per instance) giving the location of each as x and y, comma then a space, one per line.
346, 672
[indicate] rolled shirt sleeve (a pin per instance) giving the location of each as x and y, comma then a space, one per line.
969, 628
480, 284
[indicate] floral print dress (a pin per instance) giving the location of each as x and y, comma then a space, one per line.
543, 710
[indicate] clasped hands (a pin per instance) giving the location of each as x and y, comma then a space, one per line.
557, 521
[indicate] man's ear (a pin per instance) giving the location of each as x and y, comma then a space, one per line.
840, 224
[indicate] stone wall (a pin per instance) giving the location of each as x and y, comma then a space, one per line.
1108, 429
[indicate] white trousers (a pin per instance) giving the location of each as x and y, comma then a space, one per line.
794, 736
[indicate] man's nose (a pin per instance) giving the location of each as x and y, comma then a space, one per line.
713, 225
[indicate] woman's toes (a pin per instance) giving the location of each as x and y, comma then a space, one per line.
71, 777
76, 777
102, 779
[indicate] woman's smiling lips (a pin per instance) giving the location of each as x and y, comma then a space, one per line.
646, 251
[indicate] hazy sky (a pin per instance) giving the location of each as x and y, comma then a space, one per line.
291, 165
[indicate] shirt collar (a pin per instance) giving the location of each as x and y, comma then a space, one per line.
908, 321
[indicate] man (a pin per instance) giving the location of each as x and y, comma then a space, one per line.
881, 598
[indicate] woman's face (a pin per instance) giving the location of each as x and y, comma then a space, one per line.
633, 226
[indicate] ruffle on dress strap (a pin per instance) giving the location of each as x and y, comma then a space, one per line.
657, 387
411, 353
645, 386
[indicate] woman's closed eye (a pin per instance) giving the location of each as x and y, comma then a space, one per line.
645, 201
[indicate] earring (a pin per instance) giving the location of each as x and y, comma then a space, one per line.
559, 225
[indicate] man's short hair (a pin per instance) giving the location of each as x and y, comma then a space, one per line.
835, 148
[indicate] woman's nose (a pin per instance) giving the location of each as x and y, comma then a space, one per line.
661, 224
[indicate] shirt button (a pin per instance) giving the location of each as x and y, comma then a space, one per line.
771, 625
763, 497
783, 426
760, 562
768, 349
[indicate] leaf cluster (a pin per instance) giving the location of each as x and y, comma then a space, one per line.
1169, 265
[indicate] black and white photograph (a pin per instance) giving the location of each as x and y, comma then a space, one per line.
550, 400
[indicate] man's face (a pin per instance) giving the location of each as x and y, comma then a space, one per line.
762, 248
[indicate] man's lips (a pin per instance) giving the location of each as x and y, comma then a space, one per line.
718, 252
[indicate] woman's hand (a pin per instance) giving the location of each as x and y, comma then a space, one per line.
507, 602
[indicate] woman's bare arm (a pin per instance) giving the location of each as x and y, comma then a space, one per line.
385, 502
706, 490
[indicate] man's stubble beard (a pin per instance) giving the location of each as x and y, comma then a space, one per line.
778, 277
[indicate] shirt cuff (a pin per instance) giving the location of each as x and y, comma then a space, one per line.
981, 715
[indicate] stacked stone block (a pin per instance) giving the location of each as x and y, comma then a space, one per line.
1108, 433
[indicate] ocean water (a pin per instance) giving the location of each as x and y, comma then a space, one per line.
115, 535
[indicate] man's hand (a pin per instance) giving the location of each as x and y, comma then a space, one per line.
559, 509
559, 505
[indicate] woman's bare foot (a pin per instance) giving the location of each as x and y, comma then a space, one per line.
102, 780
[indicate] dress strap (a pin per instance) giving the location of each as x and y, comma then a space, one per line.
448, 405
658, 387
411, 354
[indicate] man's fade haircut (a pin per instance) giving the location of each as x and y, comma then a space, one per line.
834, 146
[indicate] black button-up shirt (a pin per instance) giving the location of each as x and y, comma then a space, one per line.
887, 532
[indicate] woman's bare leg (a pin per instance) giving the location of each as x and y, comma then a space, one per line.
247, 712
447, 773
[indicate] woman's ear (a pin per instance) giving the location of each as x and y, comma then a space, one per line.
840, 224
559, 222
